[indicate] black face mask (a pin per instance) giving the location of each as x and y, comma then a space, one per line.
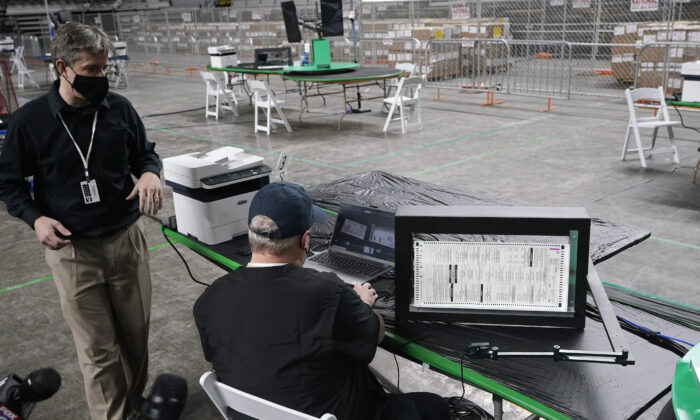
93, 89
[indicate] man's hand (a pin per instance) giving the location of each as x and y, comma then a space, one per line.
366, 293
51, 233
150, 192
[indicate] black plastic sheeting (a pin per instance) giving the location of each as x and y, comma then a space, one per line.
382, 189
578, 390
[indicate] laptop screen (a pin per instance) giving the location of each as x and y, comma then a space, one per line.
365, 231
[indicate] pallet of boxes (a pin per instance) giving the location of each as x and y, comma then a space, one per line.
488, 55
654, 46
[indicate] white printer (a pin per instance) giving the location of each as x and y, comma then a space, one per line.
212, 191
222, 56
690, 72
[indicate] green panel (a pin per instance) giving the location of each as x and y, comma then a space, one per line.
688, 104
201, 249
321, 52
313, 68
685, 388
451, 368
573, 261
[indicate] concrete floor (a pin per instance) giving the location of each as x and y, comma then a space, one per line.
568, 157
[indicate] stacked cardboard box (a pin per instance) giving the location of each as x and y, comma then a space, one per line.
640, 44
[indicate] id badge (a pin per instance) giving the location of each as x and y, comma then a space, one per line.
90, 193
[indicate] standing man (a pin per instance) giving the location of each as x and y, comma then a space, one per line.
82, 144
296, 336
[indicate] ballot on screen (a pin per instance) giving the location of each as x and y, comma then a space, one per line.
492, 265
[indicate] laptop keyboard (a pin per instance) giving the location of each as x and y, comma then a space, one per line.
349, 265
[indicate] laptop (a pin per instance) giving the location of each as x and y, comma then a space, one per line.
362, 245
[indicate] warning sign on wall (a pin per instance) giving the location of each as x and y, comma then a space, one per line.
556, 2
644, 5
580, 4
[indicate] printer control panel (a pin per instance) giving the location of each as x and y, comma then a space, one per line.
217, 181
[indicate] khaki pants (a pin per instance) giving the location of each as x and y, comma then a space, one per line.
105, 291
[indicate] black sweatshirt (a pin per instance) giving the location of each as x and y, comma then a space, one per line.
38, 145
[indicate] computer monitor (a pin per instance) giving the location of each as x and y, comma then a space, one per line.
492, 265
332, 17
291, 22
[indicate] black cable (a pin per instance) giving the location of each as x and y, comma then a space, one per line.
653, 337
171, 113
162, 229
683, 123
398, 390
649, 403
461, 408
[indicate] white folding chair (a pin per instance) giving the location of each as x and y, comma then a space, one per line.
222, 99
264, 98
407, 96
23, 72
662, 119
407, 69
224, 396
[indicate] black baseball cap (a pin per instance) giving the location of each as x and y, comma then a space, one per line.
289, 206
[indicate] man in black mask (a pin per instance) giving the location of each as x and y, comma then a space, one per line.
85, 147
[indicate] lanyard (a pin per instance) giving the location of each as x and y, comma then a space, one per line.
92, 137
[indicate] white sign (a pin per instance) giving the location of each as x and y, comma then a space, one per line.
282, 164
136, 18
556, 2
366, 10
256, 15
644, 5
580, 4
459, 11
186, 17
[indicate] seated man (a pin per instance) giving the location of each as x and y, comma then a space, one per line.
293, 335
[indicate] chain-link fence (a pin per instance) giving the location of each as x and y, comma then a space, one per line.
549, 48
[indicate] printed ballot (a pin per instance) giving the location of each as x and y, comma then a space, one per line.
491, 275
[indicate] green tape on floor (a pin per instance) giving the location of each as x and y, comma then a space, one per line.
35, 281
26, 283
672, 242
507, 149
442, 142
224, 143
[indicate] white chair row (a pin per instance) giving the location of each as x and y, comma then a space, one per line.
224, 97
406, 100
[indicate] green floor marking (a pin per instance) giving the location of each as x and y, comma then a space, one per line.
224, 143
440, 143
672, 242
506, 149
49, 277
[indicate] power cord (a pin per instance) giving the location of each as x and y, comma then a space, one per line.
182, 258
462, 408
669, 343
683, 123
398, 372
